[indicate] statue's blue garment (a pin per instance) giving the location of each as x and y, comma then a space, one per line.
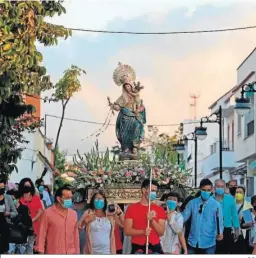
130, 128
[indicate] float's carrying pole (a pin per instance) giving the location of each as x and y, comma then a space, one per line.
149, 204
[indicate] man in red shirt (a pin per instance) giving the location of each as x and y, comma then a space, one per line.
136, 220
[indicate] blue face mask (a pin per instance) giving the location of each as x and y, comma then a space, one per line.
67, 203
205, 195
41, 188
99, 204
219, 191
171, 205
152, 196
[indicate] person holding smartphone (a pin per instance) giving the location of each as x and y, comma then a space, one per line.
99, 222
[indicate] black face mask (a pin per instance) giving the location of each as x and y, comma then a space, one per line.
2, 191
254, 207
232, 190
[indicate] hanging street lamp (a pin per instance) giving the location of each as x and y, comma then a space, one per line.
242, 105
201, 132
193, 137
180, 148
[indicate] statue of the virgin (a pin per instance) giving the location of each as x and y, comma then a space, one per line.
132, 114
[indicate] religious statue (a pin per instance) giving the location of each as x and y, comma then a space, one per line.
132, 114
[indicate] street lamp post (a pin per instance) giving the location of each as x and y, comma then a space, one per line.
201, 132
242, 106
180, 148
193, 138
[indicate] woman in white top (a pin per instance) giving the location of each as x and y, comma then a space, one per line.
173, 238
99, 226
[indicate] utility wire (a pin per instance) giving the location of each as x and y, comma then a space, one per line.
66, 155
164, 33
100, 123
78, 120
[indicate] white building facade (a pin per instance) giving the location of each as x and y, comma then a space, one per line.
189, 154
238, 136
211, 163
245, 140
37, 156
208, 151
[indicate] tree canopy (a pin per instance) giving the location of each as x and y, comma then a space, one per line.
22, 24
66, 87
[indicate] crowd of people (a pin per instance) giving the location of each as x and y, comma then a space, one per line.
219, 219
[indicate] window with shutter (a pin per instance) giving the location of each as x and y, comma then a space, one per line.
239, 124
211, 149
249, 120
233, 134
250, 128
228, 135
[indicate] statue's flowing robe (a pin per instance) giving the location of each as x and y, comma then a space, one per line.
129, 126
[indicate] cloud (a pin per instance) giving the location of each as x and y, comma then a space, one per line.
169, 67
98, 14
210, 71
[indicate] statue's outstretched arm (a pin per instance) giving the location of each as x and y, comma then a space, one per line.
116, 107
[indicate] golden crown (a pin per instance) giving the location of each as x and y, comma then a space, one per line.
123, 74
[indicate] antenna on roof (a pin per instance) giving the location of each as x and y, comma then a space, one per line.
193, 106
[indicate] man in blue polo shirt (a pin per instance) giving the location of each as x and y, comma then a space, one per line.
231, 219
206, 221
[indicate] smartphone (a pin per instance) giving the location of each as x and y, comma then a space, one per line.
111, 208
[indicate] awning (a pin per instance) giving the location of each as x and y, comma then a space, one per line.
216, 171
241, 170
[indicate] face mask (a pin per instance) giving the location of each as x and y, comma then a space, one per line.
2, 191
171, 205
205, 195
41, 188
219, 191
152, 196
232, 191
15, 202
99, 204
239, 197
254, 207
67, 203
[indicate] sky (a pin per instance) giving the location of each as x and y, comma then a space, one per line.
171, 67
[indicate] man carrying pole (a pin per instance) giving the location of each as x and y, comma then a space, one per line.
145, 221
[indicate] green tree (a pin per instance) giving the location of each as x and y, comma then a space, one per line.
21, 25
60, 164
65, 89
162, 145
